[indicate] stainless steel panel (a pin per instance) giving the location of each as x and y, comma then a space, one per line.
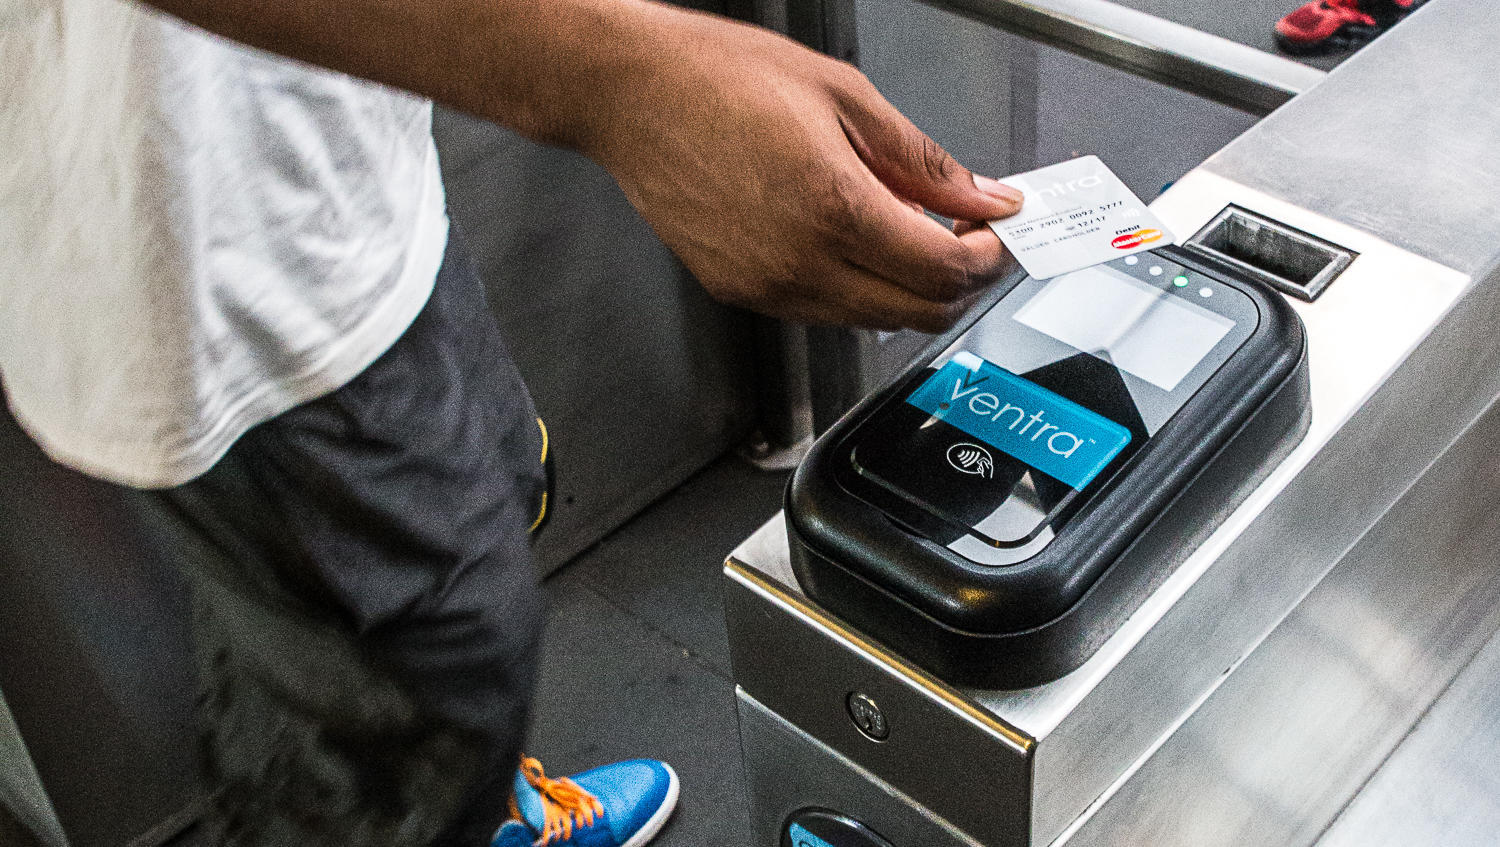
1399, 142
1282, 745
1094, 724
1158, 49
1442, 785
1247, 22
787, 769
804, 665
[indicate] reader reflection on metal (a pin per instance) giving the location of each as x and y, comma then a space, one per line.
1000, 509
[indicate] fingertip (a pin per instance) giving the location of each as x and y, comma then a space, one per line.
1007, 195
976, 234
1002, 208
946, 315
1007, 209
988, 254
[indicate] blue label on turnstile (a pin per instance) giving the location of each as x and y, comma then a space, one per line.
1042, 428
837, 831
802, 838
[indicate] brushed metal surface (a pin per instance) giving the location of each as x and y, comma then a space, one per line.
1282, 745
1092, 725
1442, 785
804, 665
787, 770
1245, 21
1162, 50
1223, 601
1399, 142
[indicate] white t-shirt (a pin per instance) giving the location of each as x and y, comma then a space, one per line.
194, 236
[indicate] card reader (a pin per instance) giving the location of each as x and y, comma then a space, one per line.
999, 510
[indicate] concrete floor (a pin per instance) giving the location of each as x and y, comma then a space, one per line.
636, 661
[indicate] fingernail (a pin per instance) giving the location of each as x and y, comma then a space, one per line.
996, 188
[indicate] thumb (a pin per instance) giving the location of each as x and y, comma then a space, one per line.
917, 168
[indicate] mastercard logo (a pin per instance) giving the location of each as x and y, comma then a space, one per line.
1137, 238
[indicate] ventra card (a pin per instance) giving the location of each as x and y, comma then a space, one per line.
1076, 214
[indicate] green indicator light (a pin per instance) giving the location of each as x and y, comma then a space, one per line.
1181, 281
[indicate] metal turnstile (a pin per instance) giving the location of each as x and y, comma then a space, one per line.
1272, 673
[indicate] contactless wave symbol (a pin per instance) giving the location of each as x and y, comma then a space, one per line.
971, 459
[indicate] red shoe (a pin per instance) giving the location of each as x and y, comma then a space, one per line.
1323, 26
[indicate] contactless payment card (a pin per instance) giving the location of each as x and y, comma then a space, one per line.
1076, 214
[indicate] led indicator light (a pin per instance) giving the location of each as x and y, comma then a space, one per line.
1205, 291
1181, 281
1156, 270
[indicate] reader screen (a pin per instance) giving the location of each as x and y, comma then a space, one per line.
1140, 328
1054, 389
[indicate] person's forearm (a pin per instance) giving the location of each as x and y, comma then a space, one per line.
780, 176
548, 68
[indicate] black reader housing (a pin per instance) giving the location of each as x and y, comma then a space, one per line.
998, 511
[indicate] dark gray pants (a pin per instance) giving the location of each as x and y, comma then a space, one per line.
366, 611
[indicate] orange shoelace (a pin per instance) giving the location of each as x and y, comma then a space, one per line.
565, 804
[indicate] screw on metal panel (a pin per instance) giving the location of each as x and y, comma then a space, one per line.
867, 716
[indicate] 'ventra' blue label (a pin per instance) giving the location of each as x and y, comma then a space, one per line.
1022, 419
802, 838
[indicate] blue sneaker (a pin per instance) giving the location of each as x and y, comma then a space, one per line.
619, 805
514, 834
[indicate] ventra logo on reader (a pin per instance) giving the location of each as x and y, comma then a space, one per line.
1021, 419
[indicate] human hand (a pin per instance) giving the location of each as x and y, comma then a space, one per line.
782, 179
787, 184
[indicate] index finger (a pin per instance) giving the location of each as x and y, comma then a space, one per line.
985, 245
